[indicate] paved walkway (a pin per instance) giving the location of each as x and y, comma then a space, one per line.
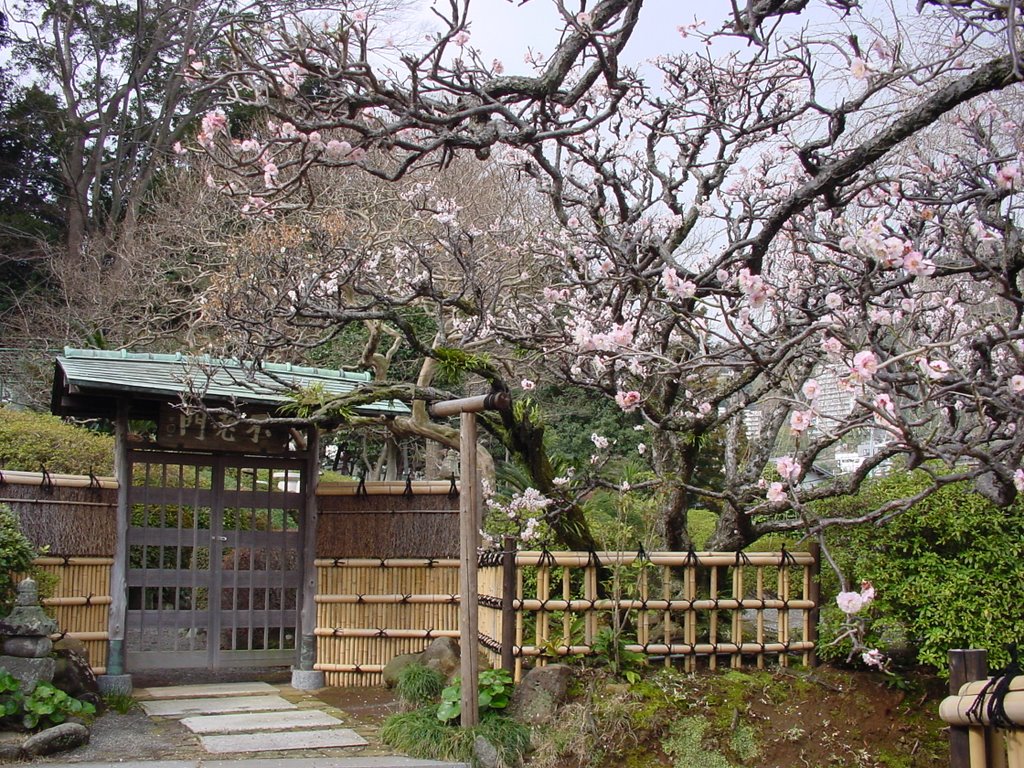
259, 725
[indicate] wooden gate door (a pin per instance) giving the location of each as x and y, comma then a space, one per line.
214, 561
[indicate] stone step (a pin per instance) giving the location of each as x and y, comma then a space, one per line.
260, 721
215, 705
203, 691
275, 742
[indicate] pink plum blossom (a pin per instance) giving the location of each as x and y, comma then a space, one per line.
1007, 176
933, 369
873, 658
527, 385
776, 493
461, 39
858, 68
1017, 383
916, 264
1018, 479
628, 401
865, 365
833, 300
799, 421
867, 591
599, 440
811, 389
850, 602
214, 122
788, 467
359, 16
676, 286
832, 345
885, 405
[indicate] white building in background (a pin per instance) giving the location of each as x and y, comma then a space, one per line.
833, 405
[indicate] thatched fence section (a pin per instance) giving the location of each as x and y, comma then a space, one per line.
73, 518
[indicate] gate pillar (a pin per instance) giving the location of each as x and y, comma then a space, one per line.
305, 677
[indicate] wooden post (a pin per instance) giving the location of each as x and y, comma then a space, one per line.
469, 534
118, 571
965, 666
508, 596
304, 677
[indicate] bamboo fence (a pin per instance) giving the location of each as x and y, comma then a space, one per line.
722, 608
371, 610
989, 744
81, 602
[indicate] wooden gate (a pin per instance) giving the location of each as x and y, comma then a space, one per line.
214, 561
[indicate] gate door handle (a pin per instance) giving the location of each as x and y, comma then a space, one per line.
218, 538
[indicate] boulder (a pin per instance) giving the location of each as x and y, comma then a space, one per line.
485, 755
443, 655
74, 676
60, 738
540, 693
394, 668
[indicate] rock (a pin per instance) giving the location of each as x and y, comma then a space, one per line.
29, 671
74, 676
485, 755
60, 738
69, 643
443, 655
394, 668
28, 647
540, 693
10, 752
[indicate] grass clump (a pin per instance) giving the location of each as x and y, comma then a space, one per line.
122, 703
419, 685
684, 745
421, 734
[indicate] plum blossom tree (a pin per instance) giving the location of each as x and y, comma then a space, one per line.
788, 199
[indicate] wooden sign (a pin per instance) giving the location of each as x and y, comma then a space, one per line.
200, 431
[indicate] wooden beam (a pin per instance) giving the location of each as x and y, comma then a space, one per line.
494, 401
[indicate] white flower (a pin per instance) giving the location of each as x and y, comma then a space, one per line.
527, 385
850, 602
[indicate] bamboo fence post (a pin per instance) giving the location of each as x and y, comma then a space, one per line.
760, 615
566, 614
666, 595
965, 665
783, 583
713, 628
737, 616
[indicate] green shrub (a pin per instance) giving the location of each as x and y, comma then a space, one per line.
419, 685
44, 706
29, 441
16, 555
494, 689
949, 573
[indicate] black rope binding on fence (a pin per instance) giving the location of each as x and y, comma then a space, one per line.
47, 482
453, 489
408, 485
593, 559
742, 559
786, 557
546, 558
3, 480
641, 554
691, 558
991, 699
94, 482
361, 489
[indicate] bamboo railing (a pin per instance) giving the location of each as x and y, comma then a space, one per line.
985, 714
723, 608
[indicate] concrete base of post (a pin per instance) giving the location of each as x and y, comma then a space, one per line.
118, 685
308, 679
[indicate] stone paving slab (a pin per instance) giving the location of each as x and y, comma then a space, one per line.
276, 742
203, 691
260, 721
215, 706
263, 762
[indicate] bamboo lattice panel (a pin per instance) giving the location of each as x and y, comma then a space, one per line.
723, 608
369, 611
81, 601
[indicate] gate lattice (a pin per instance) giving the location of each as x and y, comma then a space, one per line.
214, 561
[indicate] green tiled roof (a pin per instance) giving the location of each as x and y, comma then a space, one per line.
104, 372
